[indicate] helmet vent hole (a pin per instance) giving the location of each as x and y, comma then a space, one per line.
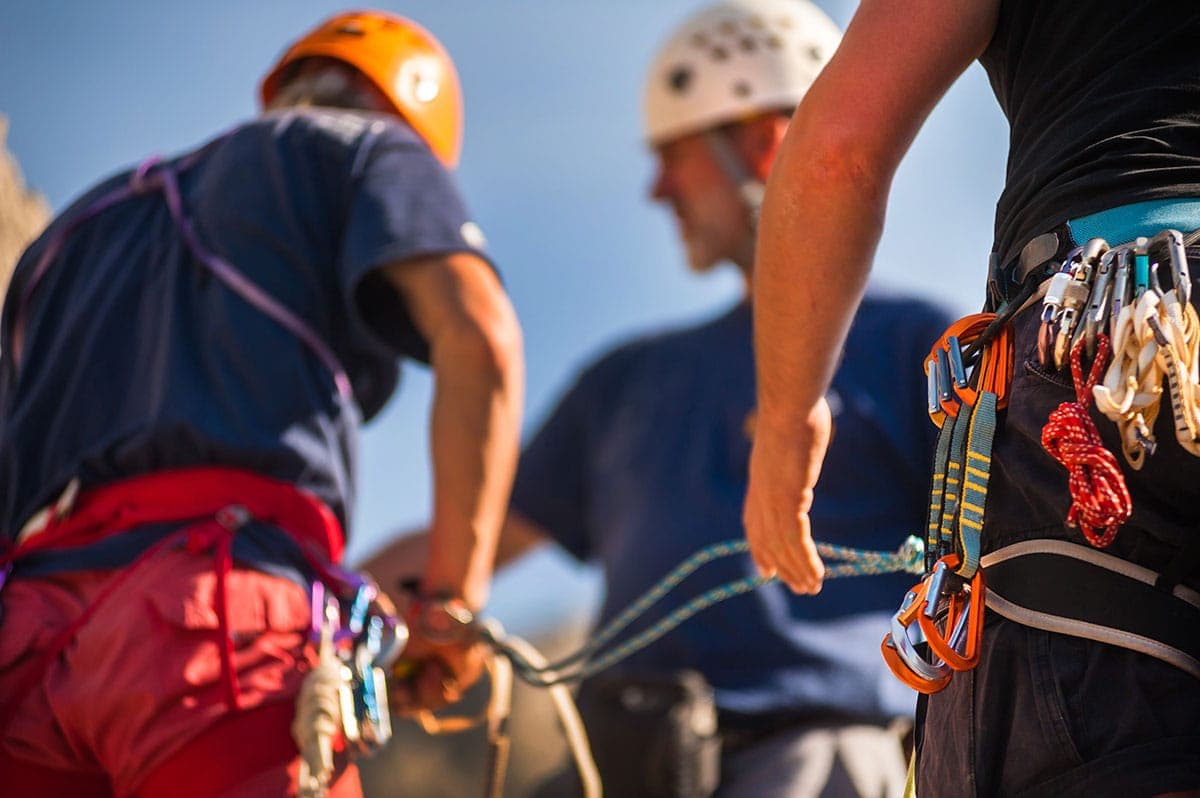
728, 27
815, 53
351, 30
742, 89
680, 78
749, 45
699, 40
785, 23
757, 22
773, 42
719, 53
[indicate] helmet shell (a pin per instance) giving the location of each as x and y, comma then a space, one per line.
733, 60
402, 59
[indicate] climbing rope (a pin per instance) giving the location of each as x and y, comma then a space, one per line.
587, 661
1100, 500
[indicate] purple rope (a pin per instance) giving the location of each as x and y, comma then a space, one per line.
151, 175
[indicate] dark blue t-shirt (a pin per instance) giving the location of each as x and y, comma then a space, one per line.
137, 359
644, 461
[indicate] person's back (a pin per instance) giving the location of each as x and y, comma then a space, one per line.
1101, 100
187, 372
188, 353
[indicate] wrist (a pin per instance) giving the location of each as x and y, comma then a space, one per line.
440, 617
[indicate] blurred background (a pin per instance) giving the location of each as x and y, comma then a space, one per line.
556, 173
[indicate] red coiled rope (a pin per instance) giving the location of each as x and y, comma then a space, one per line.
1099, 497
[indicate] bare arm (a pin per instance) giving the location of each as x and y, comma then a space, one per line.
820, 224
475, 351
457, 303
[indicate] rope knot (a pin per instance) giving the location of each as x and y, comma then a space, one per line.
1100, 500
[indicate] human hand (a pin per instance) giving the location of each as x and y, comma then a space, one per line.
784, 466
442, 659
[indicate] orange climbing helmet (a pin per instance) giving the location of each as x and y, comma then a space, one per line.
402, 59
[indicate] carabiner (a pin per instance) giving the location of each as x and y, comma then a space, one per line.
1098, 303
957, 642
899, 649
1141, 266
1180, 275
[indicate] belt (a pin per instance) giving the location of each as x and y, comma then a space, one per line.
1076, 590
1052, 247
179, 495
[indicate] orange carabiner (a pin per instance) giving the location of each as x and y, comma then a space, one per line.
957, 642
945, 368
899, 652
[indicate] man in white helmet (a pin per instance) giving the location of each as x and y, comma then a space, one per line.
644, 461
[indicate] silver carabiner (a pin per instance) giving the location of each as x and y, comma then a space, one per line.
1098, 302
906, 647
1180, 274
1121, 285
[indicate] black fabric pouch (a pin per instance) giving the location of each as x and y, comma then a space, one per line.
653, 735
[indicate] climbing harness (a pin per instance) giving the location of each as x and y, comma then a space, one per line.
1110, 600
1133, 301
210, 505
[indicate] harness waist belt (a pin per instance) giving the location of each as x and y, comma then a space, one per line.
183, 495
1079, 591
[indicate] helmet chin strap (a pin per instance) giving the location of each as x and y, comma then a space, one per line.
750, 188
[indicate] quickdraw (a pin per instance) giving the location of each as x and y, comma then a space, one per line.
968, 372
946, 616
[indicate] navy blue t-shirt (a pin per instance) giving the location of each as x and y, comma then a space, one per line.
137, 359
644, 461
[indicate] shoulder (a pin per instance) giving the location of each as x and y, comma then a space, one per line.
334, 130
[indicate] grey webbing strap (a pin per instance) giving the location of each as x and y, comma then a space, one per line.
1034, 254
1075, 590
750, 188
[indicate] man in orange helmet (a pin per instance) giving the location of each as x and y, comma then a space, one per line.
188, 353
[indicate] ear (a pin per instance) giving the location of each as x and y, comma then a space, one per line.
759, 139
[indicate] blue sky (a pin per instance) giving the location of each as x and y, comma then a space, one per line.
553, 168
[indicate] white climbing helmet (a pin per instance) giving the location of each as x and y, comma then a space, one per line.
733, 60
